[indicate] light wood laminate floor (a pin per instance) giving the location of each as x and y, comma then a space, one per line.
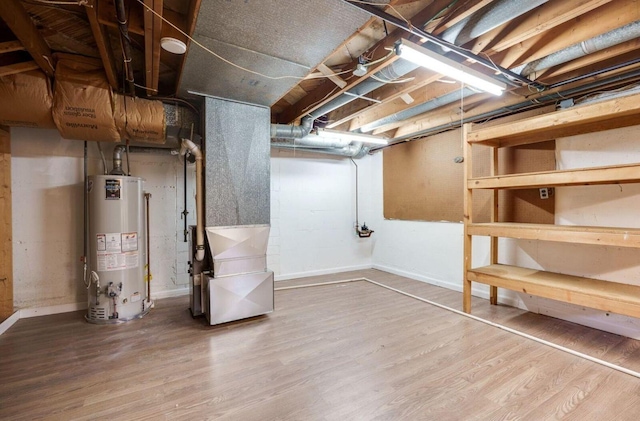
351, 351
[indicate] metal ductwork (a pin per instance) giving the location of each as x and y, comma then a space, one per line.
397, 69
438, 102
488, 18
355, 150
612, 82
289, 131
598, 43
478, 24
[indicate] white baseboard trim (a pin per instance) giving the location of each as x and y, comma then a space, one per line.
169, 293
480, 291
308, 274
10, 321
46, 311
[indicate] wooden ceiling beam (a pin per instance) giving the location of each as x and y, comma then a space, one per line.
462, 12
387, 93
12, 69
327, 90
18, 20
544, 18
102, 41
152, 35
10, 46
603, 19
189, 28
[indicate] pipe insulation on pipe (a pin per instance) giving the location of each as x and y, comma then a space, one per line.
188, 145
581, 49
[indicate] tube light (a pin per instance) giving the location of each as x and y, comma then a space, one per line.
447, 67
354, 137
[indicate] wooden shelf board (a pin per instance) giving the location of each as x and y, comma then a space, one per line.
618, 174
602, 295
606, 236
581, 119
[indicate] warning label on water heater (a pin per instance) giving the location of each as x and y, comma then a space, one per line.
117, 251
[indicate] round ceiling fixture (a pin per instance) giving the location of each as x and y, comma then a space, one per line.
173, 45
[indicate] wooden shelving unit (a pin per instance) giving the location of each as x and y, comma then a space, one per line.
603, 295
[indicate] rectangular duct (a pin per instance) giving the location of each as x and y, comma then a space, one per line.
237, 163
237, 210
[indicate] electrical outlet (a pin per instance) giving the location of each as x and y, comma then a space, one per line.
546, 192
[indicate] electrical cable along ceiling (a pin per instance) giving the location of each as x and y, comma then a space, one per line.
284, 39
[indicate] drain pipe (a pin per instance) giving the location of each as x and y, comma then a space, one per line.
590, 46
188, 145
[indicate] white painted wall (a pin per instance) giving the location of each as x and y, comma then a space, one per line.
47, 177
432, 251
313, 214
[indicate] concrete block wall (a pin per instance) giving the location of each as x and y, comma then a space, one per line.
47, 187
313, 214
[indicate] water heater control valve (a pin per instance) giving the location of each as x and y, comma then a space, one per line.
114, 290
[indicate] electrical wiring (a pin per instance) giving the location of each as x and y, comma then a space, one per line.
229, 62
61, 2
399, 81
389, 5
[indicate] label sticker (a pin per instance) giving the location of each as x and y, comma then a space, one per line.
117, 251
101, 240
113, 241
112, 188
129, 241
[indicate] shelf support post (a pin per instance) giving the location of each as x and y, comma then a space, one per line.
493, 290
467, 219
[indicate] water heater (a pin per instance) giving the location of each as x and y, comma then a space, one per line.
117, 249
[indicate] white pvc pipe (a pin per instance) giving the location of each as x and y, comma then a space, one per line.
188, 145
487, 322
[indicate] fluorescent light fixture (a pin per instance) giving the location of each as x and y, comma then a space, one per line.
354, 137
447, 67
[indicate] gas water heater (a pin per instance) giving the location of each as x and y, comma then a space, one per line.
117, 246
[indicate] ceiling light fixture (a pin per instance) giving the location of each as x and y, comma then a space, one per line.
173, 45
354, 137
447, 67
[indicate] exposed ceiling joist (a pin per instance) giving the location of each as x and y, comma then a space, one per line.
17, 19
545, 18
152, 35
103, 43
327, 90
189, 27
12, 69
10, 46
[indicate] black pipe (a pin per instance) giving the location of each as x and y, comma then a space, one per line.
125, 42
85, 251
595, 73
442, 43
614, 81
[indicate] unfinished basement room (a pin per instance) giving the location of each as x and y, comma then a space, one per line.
319, 210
